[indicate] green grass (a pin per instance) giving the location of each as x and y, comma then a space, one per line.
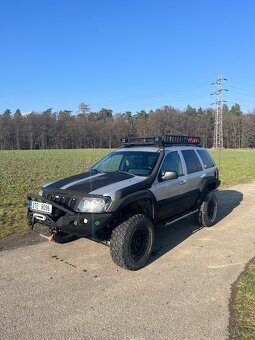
23, 172
236, 166
244, 309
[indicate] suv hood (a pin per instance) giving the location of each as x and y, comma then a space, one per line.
95, 183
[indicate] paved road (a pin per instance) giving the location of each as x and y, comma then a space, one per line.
74, 291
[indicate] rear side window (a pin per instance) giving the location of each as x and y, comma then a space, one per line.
192, 161
206, 158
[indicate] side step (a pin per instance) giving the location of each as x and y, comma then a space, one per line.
168, 222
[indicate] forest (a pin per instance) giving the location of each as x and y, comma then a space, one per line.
103, 129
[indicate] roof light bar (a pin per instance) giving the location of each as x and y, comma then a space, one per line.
140, 140
166, 140
172, 139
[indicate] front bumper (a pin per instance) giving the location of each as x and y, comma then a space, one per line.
68, 221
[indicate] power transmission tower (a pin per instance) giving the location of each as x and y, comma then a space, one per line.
218, 130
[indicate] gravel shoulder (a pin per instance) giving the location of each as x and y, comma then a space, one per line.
74, 291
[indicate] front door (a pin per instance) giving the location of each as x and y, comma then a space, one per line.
171, 194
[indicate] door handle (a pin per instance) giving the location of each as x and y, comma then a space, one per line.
183, 182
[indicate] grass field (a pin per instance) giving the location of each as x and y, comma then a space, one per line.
236, 166
244, 305
23, 172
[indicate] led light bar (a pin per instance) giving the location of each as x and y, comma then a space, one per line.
140, 141
166, 140
182, 140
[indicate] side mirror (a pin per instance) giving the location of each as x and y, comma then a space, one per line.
168, 175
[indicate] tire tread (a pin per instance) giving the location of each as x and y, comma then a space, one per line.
119, 237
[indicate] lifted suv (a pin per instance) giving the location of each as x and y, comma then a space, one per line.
149, 181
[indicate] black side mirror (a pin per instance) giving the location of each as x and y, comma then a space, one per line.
168, 175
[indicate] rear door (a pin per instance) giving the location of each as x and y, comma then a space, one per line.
194, 175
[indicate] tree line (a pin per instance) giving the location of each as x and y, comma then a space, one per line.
103, 129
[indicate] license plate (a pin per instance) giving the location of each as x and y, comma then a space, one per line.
40, 206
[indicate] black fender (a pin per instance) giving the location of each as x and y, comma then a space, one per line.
134, 198
209, 183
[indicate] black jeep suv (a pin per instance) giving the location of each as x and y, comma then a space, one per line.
124, 196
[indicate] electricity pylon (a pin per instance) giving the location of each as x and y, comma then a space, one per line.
218, 129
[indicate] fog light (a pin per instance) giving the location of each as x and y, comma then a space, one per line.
85, 220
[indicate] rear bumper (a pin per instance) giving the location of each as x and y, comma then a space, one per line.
80, 224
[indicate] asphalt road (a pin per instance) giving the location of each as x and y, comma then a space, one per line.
74, 291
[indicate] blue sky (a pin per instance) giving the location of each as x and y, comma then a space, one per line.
125, 54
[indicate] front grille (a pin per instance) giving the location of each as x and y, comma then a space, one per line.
64, 201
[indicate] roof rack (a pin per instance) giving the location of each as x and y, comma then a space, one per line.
167, 140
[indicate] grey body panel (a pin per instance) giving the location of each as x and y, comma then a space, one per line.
175, 196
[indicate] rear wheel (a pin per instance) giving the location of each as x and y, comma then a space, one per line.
132, 242
208, 210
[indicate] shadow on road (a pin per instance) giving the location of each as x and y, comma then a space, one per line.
168, 237
228, 200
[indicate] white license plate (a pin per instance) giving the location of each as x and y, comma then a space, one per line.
40, 206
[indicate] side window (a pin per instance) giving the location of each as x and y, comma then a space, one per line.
206, 158
192, 161
172, 162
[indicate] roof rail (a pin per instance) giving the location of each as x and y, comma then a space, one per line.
167, 140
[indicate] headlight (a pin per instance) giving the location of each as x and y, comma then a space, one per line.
94, 204
40, 193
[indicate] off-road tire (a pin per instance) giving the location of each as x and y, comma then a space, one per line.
132, 242
208, 210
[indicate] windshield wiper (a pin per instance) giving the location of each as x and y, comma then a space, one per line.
123, 172
96, 170
113, 171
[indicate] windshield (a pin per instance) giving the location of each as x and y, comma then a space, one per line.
140, 163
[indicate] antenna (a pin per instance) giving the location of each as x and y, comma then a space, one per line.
218, 131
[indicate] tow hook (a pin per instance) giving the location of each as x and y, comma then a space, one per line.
54, 231
49, 238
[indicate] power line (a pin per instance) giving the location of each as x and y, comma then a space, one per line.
164, 93
242, 84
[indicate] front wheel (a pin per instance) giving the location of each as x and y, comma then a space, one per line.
132, 242
208, 210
